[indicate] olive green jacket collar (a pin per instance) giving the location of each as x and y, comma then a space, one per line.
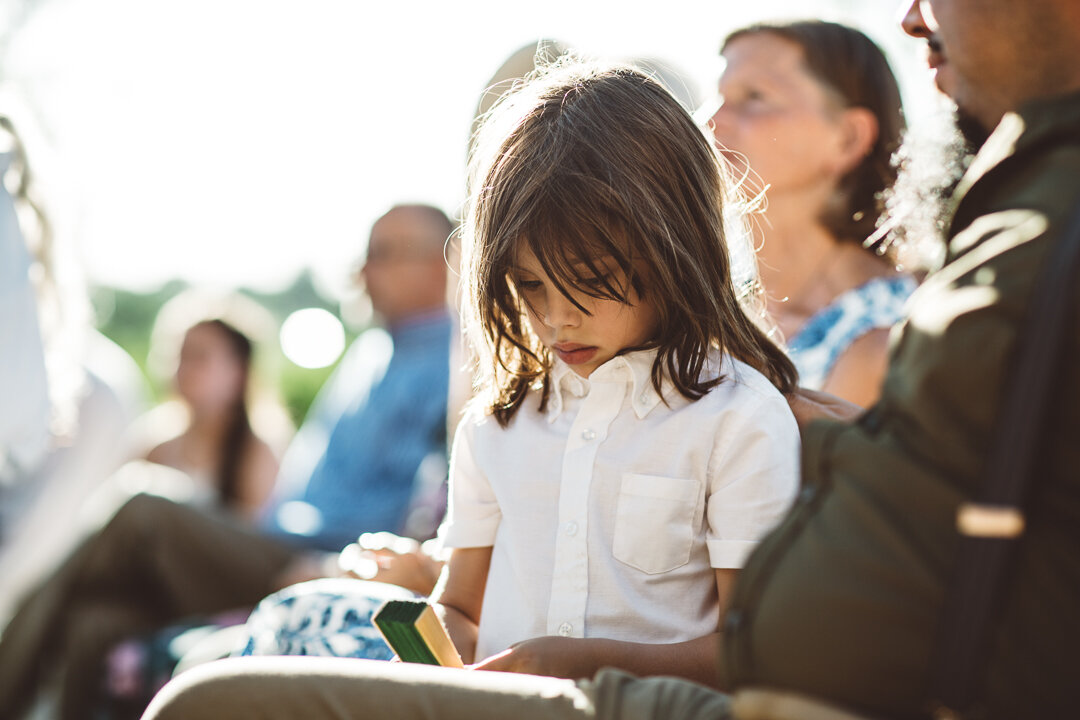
1036, 122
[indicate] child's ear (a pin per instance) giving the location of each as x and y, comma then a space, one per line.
858, 133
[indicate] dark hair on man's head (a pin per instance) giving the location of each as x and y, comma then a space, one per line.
583, 162
857, 74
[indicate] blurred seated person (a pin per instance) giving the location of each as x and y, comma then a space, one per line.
156, 561
67, 392
25, 417
813, 111
207, 341
382, 415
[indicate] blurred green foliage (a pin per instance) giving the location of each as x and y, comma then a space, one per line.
127, 318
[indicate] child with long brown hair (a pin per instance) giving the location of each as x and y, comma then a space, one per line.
629, 441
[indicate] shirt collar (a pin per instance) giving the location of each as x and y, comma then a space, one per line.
633, 368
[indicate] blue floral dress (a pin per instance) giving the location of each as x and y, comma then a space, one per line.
328, 618
878, 303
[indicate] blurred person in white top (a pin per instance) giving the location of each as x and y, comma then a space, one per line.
67, 393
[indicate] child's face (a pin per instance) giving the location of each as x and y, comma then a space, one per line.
583, 341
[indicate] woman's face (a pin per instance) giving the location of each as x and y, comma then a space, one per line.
775, 115
210, 373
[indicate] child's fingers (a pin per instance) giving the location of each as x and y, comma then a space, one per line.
501, 662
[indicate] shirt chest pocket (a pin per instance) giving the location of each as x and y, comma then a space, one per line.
655, 522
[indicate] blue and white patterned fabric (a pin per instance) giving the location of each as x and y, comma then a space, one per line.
328, 618
878, 303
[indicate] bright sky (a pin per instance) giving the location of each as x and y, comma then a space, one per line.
234, 142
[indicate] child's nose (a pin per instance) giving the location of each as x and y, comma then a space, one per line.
560, 311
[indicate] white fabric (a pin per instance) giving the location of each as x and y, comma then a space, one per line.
609, 511
25, 408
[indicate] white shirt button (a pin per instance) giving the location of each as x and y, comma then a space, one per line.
589, 435
571, 528
565, 629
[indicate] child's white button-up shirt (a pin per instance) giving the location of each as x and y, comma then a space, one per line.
608, 512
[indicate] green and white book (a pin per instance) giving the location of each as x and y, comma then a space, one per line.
413, 631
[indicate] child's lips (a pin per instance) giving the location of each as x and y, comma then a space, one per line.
573, 353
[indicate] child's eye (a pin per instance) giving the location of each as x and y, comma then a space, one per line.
528, 285
599, 283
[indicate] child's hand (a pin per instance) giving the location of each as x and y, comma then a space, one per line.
554, 656
577, 658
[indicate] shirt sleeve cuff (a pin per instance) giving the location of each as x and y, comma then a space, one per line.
725, 554
473, 534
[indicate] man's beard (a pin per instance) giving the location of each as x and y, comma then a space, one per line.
930, 163
971, 130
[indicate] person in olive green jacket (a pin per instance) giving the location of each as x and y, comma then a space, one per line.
842, 601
